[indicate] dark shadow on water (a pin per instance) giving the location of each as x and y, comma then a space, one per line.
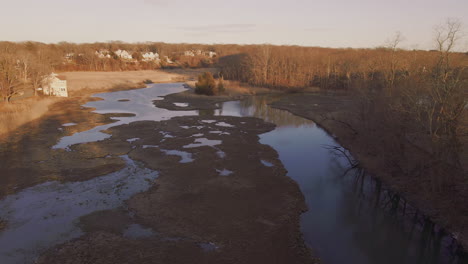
352, 217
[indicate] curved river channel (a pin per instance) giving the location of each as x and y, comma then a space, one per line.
352, 218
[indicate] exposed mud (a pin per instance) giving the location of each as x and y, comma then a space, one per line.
111, 221
27, 158
3, 224
251, 215
194, 101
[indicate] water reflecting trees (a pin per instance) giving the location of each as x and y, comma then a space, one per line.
375, 210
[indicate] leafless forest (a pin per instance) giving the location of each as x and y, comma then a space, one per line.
398, 95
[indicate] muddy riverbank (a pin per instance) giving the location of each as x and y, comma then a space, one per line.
188, 100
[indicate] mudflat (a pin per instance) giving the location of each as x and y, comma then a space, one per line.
220, 205
212, 202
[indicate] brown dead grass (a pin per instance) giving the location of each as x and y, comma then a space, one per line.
79, 81
191, 74
18, 113
238, 88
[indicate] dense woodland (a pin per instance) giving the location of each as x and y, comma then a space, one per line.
407, 92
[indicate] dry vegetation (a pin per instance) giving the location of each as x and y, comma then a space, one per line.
93, 81
238, 88
18, 113
398, 95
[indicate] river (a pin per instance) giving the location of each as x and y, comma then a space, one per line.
352, 218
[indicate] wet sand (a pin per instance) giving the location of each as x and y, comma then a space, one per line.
188, 100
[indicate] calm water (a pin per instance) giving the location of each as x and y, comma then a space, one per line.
351, 218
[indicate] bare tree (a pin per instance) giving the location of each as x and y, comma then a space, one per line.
37, 73
392, 45
9, 77
447, 88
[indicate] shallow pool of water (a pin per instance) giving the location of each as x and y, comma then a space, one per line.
140, 104
45, 215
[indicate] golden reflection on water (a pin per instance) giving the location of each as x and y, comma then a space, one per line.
257, 106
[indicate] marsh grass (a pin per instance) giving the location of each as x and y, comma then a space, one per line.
18, 113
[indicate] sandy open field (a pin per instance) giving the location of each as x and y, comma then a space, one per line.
78, 81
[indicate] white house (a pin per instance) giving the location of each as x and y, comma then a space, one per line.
166, 58
103, 54
123, 54
150, 56
192, 53
212, 54
55, 85
189, 53
69, 57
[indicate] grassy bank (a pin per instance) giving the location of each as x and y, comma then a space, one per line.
18, 113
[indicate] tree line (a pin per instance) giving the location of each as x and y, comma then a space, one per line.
426, 89
398, 94
23, 65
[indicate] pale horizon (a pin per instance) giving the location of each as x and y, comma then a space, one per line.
334, 24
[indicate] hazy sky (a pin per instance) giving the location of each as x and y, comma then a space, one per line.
331, 23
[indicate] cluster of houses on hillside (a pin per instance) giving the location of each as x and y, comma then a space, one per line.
146, 56
125, 55
150, 56
56, 85
103, 54
193, 53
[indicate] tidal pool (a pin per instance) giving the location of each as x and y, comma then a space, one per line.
140, 104
45, 215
